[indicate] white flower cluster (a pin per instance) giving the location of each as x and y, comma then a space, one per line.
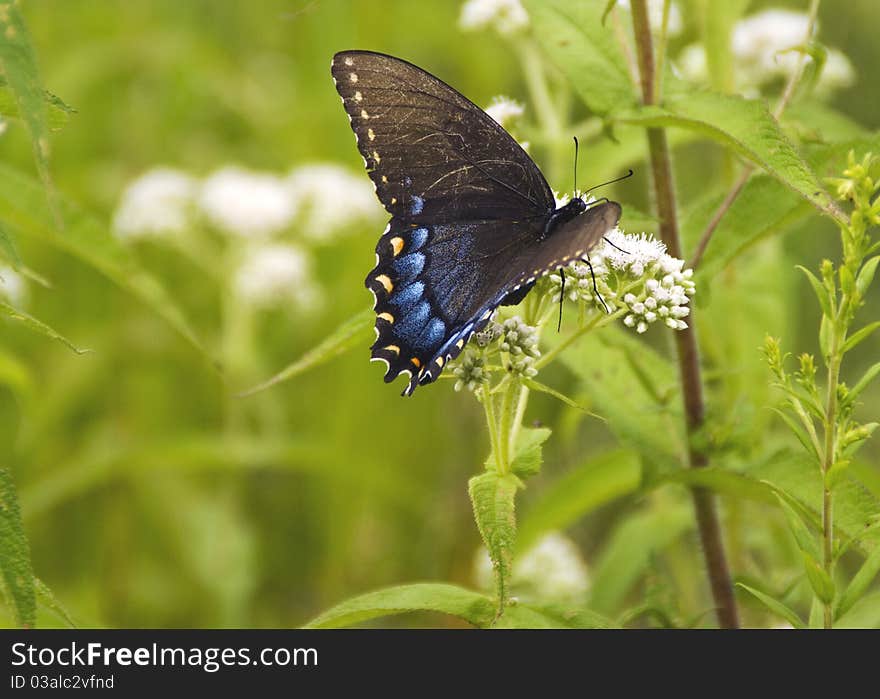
520, 341
663, 287
505, 16
551, 570
505, 110
273, 274
762, 50
252, 208
157, 203
12, 287
470, 372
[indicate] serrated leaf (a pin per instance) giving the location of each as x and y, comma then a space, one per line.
805, 540
584, 489
23, 211
819, 289
352, 333
530, 616
493, 497
585, 50
527, 453
471, 606
860, 336
19, 67
15, 555
47, 598
774, 605
37, 326
859, 584
748, 129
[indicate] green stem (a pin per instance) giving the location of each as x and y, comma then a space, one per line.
828, 461
509, 405
597, 322
492, 423
686, 340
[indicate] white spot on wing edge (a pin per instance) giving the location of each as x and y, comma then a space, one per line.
348, 61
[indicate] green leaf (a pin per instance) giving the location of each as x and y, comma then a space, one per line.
8, 248
826, 332
805, 540
527, 453
541, 388
865, 614
819, 289
719, 480
587, 487
775, 606
58, 112
473, 607
352, 333
530, 616
19, 67
866, 276
629, 551
819, 579
799, 432
747, 128
47, 599
15, 555
493, 498
859, 584
90, 241
798, 478
860, 336
585, 50
862, 383
37, 326
605, 362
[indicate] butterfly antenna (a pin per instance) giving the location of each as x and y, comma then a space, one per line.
616, 179
575, 163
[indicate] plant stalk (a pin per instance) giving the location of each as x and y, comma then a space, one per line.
686, 340
827, 462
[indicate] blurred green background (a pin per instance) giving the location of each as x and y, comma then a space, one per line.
151, 495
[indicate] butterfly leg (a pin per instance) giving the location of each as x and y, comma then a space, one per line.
616, 247
561, 298
595, 287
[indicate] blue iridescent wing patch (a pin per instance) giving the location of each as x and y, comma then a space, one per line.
473, 221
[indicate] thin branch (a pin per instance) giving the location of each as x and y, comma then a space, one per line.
781, 106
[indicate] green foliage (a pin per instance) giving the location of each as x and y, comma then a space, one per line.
493, 498
15, 556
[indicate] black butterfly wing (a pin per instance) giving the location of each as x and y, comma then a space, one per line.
437, 284
432, 154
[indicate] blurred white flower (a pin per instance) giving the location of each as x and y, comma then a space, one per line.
762, 53
245, 203
12, 287
655, 16
272, 275
505, 110
551, 570
505, 16
329, 198
156, 203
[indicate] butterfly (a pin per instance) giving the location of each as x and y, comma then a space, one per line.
473, 221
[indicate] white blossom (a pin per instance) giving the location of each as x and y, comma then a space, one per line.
12, 286
505, 110
245, 203
505, 16
330, 198
155, 204
273, 275
551, 570
765, 49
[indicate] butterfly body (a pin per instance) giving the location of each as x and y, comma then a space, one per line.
473, 222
